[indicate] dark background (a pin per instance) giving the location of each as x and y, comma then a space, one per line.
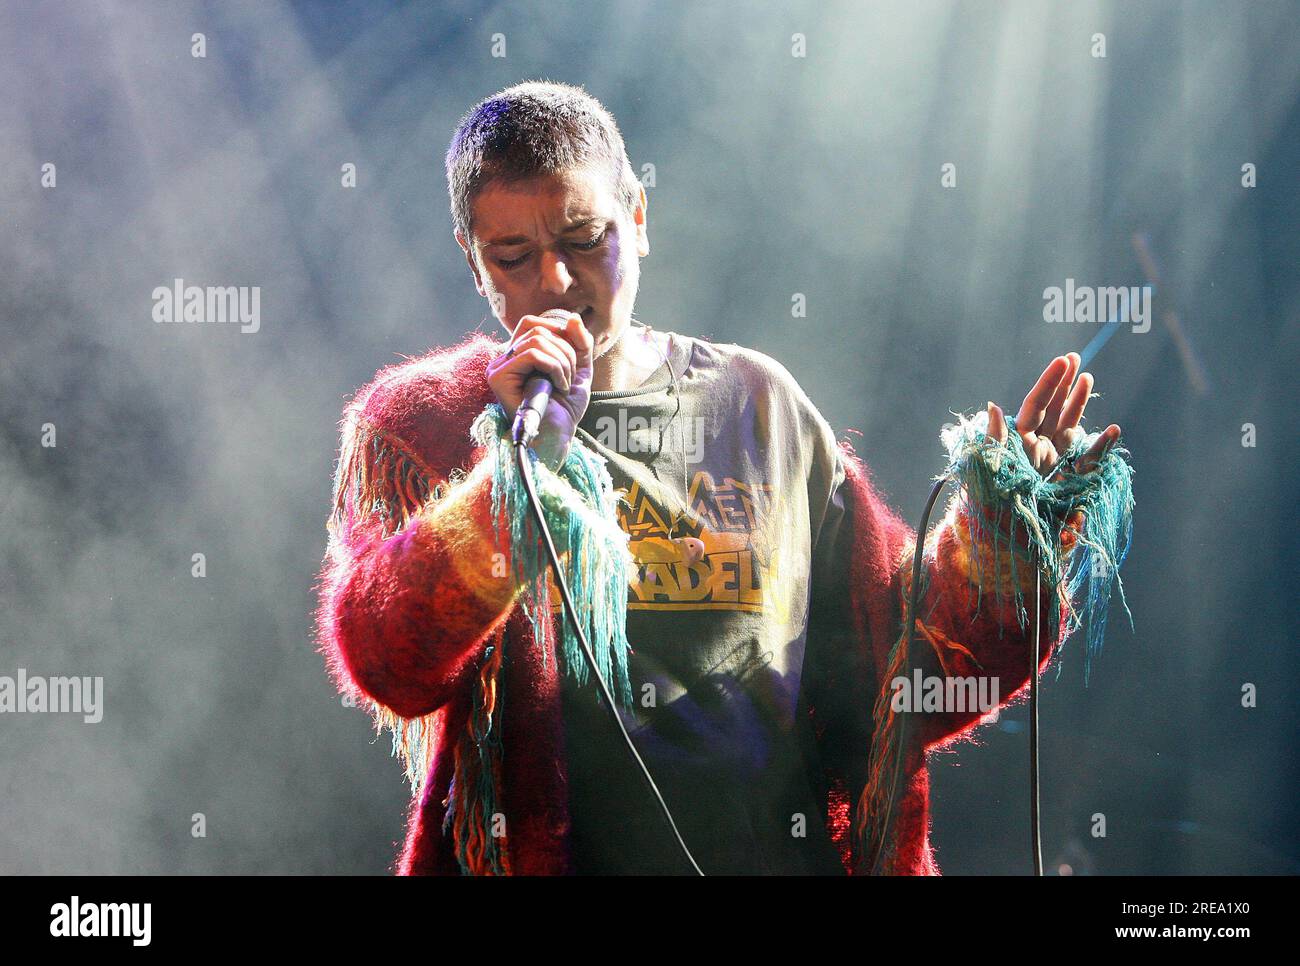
774, 175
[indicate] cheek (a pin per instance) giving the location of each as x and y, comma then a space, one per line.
499, 295
621, 269
618, 264
495, 279
502, 282
629, 273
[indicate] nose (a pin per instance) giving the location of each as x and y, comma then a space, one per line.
556, 279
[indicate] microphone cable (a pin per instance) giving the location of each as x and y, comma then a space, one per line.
1035, 821
526, 473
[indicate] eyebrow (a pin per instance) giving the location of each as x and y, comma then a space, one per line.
521, 239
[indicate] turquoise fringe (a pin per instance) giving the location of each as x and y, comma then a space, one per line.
580, 506
998, 477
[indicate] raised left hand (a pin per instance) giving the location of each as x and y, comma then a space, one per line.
1048, 421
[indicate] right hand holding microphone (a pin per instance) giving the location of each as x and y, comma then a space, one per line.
557, 345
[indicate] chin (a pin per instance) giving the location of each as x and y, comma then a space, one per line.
605, 331
601, 334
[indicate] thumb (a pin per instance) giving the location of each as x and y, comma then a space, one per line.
997, 424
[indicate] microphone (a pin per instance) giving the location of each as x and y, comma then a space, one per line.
537, 393
528, 417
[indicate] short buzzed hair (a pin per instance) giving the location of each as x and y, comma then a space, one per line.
531, 129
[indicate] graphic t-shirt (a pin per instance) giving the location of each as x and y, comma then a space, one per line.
736, 458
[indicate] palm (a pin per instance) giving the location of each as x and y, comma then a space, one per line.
563, 414
1048, 420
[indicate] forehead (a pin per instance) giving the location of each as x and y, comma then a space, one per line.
558, 200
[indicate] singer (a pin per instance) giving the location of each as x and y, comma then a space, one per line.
740, 579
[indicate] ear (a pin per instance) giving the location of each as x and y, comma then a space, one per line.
468, 249
639, 217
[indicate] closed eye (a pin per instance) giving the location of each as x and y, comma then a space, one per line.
581, 246
588, 246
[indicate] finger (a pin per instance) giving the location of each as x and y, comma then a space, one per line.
1089, 460
545, 321
1073, 410
1034, 408
559, 344
543, 361
569, 326
556, 345
536, 338
1052, 418
997, 423
575, 332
